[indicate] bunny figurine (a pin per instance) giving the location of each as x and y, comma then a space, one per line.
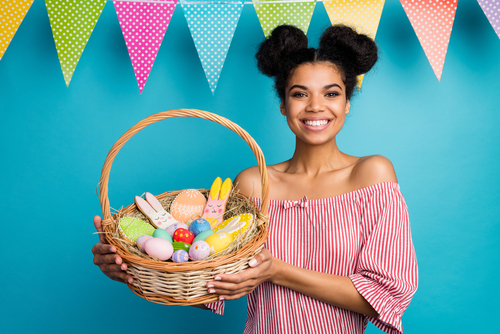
155, 212
216, 203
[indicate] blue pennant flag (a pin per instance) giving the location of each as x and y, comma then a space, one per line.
212, 25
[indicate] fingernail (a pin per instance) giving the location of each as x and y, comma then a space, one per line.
252, 263
130, 280
211, 291
210, 286
221, 298
217, 278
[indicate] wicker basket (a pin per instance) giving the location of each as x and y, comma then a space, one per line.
172, 283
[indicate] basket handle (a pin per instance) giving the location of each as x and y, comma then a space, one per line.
106, 209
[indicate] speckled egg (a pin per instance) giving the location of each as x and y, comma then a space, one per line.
203, 235
161, 233
171, 229
180, 256
159, 248
140, 242
183, 235
218, 242
199, 250
181, 245
199, 225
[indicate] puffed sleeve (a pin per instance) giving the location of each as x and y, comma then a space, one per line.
386, 275
216, 307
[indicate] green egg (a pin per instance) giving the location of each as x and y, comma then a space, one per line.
181, 245
161, 233
203, 235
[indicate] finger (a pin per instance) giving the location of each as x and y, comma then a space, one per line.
112, 268
98, 227
259, 258
102, 249
120, 276
109, 259
229, 297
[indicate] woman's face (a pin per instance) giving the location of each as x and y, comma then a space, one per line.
315, 103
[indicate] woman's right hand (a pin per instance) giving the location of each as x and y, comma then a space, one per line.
106, 258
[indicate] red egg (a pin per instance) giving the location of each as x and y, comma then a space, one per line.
183, 235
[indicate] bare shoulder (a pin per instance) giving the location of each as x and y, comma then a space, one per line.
371, 170
248, 182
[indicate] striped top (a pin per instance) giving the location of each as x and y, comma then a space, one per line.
365, 235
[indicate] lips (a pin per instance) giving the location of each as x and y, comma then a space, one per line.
316, 124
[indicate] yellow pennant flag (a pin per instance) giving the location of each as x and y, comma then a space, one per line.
12, 14
362, 15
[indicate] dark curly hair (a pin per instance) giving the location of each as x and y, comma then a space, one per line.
287, 48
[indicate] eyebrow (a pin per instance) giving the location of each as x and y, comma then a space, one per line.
305, 88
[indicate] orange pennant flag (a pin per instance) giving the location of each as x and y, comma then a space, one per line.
432, 21
12, 14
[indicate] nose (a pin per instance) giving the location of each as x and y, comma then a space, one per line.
315, 103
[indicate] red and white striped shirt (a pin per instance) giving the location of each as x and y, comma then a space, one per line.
365, 235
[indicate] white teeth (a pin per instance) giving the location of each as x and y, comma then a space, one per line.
316, 123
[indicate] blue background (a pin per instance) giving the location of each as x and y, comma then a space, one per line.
442, 138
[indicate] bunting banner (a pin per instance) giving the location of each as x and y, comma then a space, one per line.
361, 15
432, 21
212, 26
491, 9
72, 23
12, 14
143, 25
273, 13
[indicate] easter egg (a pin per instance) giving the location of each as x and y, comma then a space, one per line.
188, 205
218, 242
132, 228
171, 229
246, 217
180, 256
159, 248
199, 250
181, 245
161, 233
199, 225
203, 235
183, 235
140, 242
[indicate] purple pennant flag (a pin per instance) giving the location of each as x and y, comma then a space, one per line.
492, 10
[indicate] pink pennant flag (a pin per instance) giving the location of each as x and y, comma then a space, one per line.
432, 21
144, 25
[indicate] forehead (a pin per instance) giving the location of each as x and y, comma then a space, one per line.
316, 74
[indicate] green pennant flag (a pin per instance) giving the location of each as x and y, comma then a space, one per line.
72, 22
273, 13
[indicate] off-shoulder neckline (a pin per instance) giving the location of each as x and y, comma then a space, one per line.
341, 196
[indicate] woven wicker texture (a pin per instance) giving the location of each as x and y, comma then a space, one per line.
172, 283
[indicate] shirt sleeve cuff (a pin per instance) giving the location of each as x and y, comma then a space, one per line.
216, 307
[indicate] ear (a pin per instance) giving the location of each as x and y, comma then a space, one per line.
282, 108
151, 199
144, 206
347, 107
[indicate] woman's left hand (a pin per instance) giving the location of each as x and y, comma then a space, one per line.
230, 287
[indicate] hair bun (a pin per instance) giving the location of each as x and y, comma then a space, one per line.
283, 40
357, 52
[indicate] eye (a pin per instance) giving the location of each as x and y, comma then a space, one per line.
210, 205
332, 94
299, 94
219, 205
164, 214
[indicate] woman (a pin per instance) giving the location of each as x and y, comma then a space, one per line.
339, 251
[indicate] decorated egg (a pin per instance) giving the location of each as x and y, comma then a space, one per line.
199, 225
140, 242
188, 205
161, 233
246, 217
218, 242
132, 228
159, 248
181, 245
183, 235
199, 250
180, 256
171, 229
203, 235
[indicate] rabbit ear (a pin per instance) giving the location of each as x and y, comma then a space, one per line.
225, 190
144, 206
215, 189
153, 201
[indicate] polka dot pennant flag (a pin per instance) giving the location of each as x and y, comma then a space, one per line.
432, 21
212, 26
143, 25
273, 13
72, 23
361, 15
12, 13
492, 10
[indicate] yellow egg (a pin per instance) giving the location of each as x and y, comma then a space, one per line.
219, 242
246, 217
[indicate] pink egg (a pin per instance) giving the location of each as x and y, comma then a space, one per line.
141, 241
159, 248
199, 250
171, 229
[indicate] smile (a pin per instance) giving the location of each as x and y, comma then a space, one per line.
322, 122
